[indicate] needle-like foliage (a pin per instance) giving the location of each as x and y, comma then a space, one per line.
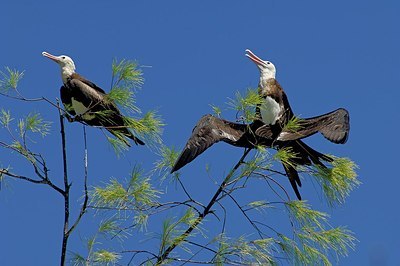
163, 166
245, 104
127, 78
9, 80
137, 193
337, 181
134, 207
316, 238
240, 251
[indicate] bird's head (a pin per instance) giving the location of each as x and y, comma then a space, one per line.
267, 69
65, 62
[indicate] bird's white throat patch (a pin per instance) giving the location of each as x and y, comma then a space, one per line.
66, 72
270, 111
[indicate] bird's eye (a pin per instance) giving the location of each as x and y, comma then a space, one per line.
63, 57
268, 63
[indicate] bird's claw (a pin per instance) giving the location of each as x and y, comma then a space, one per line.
73, 119
68, 117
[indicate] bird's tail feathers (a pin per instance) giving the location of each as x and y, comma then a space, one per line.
293, 177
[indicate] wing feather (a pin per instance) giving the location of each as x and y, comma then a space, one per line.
208, 131
334, 126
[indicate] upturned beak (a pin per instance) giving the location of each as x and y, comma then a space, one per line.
258, 61
52, 57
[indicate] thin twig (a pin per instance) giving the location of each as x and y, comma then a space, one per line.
86, 199
206, 211
42, 181
66, 190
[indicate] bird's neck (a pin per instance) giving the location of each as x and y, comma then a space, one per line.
264, 77
66, 73
264, 84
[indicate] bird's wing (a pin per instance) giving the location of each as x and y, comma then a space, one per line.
208, 130
334, 126
88, 82
91, 97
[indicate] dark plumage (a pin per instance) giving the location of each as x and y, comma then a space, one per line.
89, 103
100, 110
269, 128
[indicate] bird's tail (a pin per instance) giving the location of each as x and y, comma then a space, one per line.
294, 178
135, 139
303, 155
124, 133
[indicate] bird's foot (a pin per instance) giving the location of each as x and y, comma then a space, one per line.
78, 118
71, 119
68, 117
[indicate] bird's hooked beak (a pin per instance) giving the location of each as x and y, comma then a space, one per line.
52, 57
258, 61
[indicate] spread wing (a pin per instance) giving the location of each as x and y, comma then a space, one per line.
208, 131
334, 126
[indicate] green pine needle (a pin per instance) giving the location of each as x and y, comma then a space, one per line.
5, 118
245, 105
123, 97
306, 216
77, 260
258, 252
168, 157
112, 195
303, 254
137, 194
9, 80
105, 257
141, 190
339, 239
35, 123
293, 125
216, 110
126, 73
286, 155
338, 181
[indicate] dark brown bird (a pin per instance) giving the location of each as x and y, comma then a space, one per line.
88, 102
275, 112
268, 129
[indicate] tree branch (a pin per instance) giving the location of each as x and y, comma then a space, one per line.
86, 199
206, 211
66, 189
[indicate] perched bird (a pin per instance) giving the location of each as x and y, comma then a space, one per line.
275, 112
268, 129
89, 103
210, 130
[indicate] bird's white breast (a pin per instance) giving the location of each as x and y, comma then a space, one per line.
270, 111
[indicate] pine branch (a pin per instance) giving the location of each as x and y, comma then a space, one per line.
67, 187
207, 210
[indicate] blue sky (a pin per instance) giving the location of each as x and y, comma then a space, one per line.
327, 55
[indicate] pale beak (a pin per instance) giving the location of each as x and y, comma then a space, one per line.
258, 61
52, 57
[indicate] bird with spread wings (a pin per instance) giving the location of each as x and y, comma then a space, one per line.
268, 128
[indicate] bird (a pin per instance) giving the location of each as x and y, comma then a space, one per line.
275, 112
89, 103
210, 130
268, 128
